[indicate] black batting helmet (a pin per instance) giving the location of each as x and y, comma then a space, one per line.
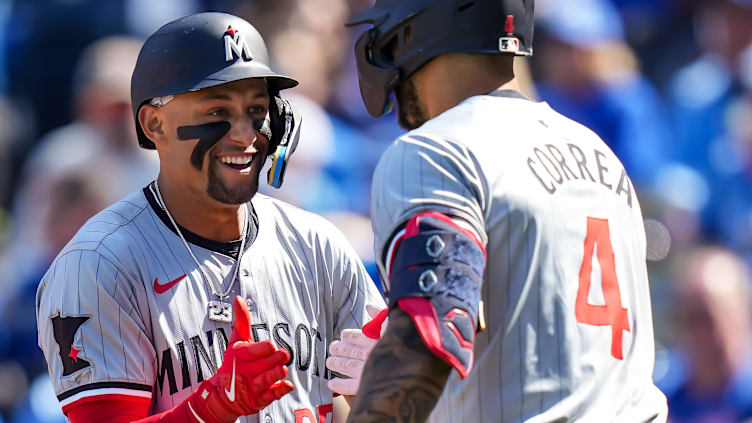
406, 34
199, 51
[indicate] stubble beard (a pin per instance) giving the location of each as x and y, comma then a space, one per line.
218, 189
411, 113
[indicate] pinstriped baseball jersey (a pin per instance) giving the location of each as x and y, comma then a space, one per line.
569, 333
123, 308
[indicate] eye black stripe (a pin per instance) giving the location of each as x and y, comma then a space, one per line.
207, 135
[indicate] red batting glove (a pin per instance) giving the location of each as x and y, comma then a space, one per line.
247, 381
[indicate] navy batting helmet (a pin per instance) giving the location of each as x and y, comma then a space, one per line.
406, 34
199, 51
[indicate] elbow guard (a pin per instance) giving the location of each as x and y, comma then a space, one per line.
436, 272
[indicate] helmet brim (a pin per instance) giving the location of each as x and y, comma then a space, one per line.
246, 70
239, 71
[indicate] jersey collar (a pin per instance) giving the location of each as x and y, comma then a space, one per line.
229, 249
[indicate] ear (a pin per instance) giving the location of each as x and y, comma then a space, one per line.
151, 123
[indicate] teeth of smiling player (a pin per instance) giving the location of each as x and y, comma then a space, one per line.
236, 159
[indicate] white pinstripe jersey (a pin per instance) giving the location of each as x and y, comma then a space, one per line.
116, 316
549, 200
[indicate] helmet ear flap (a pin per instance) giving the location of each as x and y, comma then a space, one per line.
284, 122
272, 127
276, 119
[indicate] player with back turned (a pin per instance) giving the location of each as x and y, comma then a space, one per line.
144, 315
509, 237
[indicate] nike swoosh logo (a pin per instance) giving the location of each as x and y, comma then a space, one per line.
231, 392
161, 289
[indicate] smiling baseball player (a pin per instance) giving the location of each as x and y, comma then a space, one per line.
135, 313
510, 238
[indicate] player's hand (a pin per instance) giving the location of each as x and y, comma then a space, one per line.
349, 355
249, 378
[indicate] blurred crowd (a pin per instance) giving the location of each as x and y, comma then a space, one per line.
666, 83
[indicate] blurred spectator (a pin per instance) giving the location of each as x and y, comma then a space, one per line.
73, 200
40, 405
12, 390
5, 7
307, 38
710, 378
100, 144
307, 184
711, 103
655, 27
359, 135
588, 73
301, 52
13, 132
333, 165
44, 41
144, 17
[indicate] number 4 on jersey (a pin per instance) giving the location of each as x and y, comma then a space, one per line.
612, 313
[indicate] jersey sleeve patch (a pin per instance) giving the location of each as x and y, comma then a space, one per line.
64, 329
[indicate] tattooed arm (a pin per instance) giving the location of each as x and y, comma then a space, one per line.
402, 379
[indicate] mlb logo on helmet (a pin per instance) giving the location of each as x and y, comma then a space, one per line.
510, 43
235, 44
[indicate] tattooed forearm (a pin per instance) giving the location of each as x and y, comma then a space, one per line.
402, 380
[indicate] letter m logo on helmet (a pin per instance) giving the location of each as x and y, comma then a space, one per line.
235, 44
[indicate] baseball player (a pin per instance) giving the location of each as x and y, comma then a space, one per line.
510, 238
194, 300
